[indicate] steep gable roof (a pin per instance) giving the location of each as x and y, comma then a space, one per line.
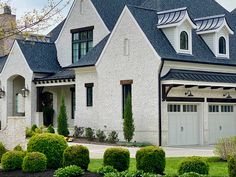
3, 60
56, 31
41, 56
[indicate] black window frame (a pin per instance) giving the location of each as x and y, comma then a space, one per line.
222, 45
89, 94
184, 40
79, 41
73, 102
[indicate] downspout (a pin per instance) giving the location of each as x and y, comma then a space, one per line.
160, 102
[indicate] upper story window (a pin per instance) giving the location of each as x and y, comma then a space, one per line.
82, 42
222, 45
183, 40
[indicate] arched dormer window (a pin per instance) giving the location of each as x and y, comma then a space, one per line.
183, 40
222, 45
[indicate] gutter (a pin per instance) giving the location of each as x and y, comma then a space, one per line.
160, 95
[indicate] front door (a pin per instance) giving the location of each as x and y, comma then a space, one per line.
48, 111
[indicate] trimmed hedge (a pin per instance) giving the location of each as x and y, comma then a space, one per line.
18, 148
70, 171
232, 166
76, 155
2, 150
51, 145
151, 159
34, 162
12, 160
118, 158
194, 164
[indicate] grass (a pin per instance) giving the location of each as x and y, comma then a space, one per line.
217, 168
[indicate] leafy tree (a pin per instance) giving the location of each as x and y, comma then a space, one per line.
62, 128
128, 124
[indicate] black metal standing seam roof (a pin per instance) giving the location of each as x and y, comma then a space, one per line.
41, 56
64, 74
201, 76
171, 16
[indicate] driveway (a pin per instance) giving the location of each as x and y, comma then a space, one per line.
97, 151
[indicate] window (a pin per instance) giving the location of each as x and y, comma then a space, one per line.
126, 90
189, 108
174, 108
222, 45
213, 108
184, 40
81, 7
72, 103
89, 94
82, 42
227, 108
126, 47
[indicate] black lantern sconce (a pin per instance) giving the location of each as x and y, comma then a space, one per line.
24, 92
2, 93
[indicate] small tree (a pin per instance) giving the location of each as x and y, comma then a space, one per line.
62, 127
128, 124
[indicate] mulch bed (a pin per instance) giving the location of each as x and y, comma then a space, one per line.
48, 173
95, 141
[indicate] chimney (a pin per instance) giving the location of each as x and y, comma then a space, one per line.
7, 10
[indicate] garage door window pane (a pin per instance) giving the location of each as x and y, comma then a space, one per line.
189, 108
227, 108
213, 108
173, 108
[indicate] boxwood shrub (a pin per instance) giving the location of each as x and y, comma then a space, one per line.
69, 171
151, 159
118, 158
194, 164
34, 162
232, 166
76, 155
12, 160
2, 150
51, 145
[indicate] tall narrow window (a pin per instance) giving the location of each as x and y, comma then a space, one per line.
82, 42
126, 90
72, 103
184, 40
81, 7
222, 45
89, 94
126, 47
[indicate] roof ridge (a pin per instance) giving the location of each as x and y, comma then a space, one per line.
140, 7
24, 40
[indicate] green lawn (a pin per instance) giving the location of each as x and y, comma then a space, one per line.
217, 168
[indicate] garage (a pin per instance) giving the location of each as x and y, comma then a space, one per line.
183, 124
222, 122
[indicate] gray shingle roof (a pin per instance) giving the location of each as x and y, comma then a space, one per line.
56, 31
202, 76
41, 56
92, 56
3, 60
64, 74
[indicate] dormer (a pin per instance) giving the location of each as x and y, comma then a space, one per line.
177, 25
215, 31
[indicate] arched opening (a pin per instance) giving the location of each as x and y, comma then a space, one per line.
15, 99
183, 40
222, 45
48, 112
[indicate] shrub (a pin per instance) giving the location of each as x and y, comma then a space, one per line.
34, 127
225, 147
51, 145
48, 113
131, 174
70, 171
232, 166
2, 150
62, 127
194, 164
29, 132
118, 158
191, 174
76, 155
101, 135
18, 148
128, 124
50, 129
113, 137
151, 159
106, 169
12, 160
78, 132
89, 134
34, 162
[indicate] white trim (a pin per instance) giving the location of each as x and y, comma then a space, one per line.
115, 29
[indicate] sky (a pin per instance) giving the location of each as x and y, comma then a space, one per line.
22, 6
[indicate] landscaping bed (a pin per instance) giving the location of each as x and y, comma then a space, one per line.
48, 173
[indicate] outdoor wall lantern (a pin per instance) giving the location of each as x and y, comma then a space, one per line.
227, 95
2, 93
189, 93
24, 92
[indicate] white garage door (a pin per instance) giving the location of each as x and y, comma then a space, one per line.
222, 122
183, 124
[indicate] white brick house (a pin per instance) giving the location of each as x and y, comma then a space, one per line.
178, 61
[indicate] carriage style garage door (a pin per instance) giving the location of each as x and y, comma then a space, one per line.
222, 122
183, 124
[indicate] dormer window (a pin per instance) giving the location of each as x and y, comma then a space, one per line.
222, 45
184, 40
